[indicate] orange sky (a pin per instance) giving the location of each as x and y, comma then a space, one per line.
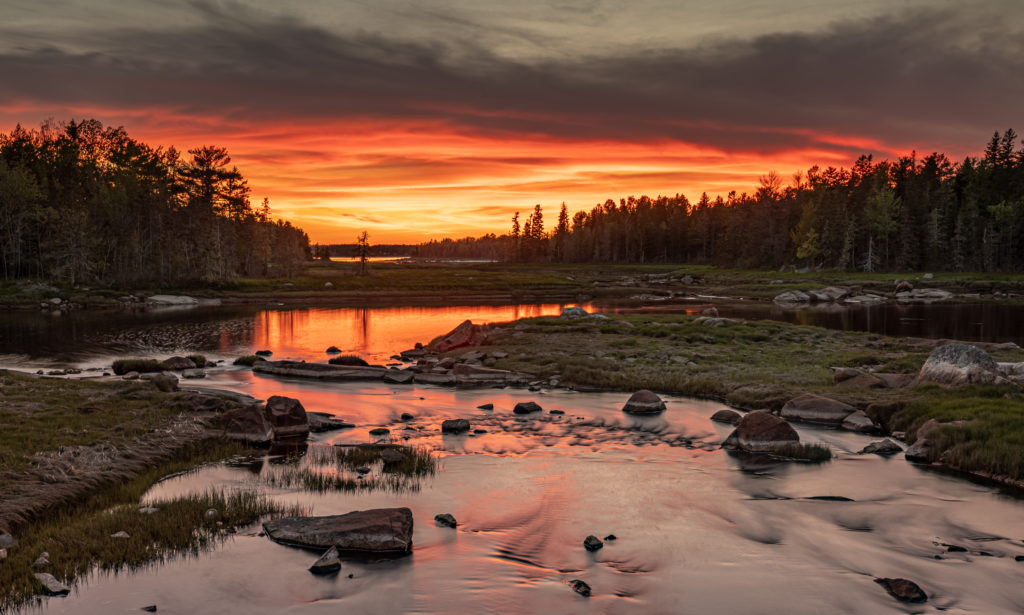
415, 121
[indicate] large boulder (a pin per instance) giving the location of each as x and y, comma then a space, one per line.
812, 408
466, 334
180, 363
287, 416
526, 407
379, 530
644, 402
957, 365
454, 426
51, 586
792, 297
247, 424
760, 431
858, 421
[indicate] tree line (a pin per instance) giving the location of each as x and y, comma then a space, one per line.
909, 214
81, 203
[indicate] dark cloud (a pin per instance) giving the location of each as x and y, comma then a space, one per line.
923, 79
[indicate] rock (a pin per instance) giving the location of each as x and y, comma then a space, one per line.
263, 353
760, 431
148, 510
333, 350
466, 334
610, 537
479, 431
328, 284
454, 426
439, 379
556, 412
860, 379
713, 322
957, 365
727, 416
376, 530
903, 286
711, 311
644, 402
193, 373
895, 381
3, 554
321, 421
865, 299
163, 381
923, 295
882, 413
592, 543
573, 312
526, 407
380, 431
928, 276
42, 561
51, 586
398, 376
149, 609
445, 519
485, 407
130, 376
918, 451
328, 563
499, 354
816, 409
407, 416
882, 447
363, 470
121, 534
172, 300
179, 363
287, 416
580, 587
792, 297
472, 355
903, 590
859, 422
831, 293
7, 541
211, 514
391, 456
247, 424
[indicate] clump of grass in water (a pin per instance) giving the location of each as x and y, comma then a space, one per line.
79, 539
804, 452
248, 360
198, 359
348, 359
123, 366
331, 468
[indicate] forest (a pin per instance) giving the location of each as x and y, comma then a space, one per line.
81, 203
911, 214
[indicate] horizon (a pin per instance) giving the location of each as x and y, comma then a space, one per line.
380, 118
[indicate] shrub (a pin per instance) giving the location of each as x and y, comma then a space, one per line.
347, 359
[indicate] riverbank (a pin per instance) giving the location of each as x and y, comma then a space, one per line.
424, 282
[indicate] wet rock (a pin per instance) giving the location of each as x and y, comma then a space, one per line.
179, 363
193, 373
398, 376
573, 312
321, 421
918, 451
149, 609
391, 456
377, 530
455, 426
363, 470
903, 590
727, 416
580, 587
247, 424
263, 353
526, 407
42, 561
407, 416
445, 519
887, 446
923, 295
791, 297
816, 409
957, 365
172, 300
556, 412
211, 514
859, 422
130, 376
592, 543
760, 431
7, 541
610, 537
479, 431
485, 407
51, 586
644, 402
121, 534
333, 350
328, 563
348, 360
287, 416
380, 431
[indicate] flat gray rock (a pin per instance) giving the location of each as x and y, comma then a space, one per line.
51, 586
380, 530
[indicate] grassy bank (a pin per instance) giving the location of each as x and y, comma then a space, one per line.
763, 364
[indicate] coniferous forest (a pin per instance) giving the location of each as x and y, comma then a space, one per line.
910, 214
81, 203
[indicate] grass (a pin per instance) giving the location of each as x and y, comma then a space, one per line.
348, 359
333, 468
78, 538
123, 366
248, 360
816, 453
198, 359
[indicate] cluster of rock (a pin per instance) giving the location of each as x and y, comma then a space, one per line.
904, 293
280, 418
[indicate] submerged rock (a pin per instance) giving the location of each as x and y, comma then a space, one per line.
882, 447
903, 590
445, 519
526, 407
644, 402
51, 586
454, 426
816, 409
760, 431
378, 530
592, 543
380, 431
580, 587
957, 365
727, 416
328, 563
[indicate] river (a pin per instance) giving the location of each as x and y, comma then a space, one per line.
698, 530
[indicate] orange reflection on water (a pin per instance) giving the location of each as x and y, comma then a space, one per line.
374, 333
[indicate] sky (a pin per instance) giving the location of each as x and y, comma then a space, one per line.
415, 120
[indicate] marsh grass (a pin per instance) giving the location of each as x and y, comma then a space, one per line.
78, 538
248, 360
348, 359
333, 468
198, 359
816, 453
123, 366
